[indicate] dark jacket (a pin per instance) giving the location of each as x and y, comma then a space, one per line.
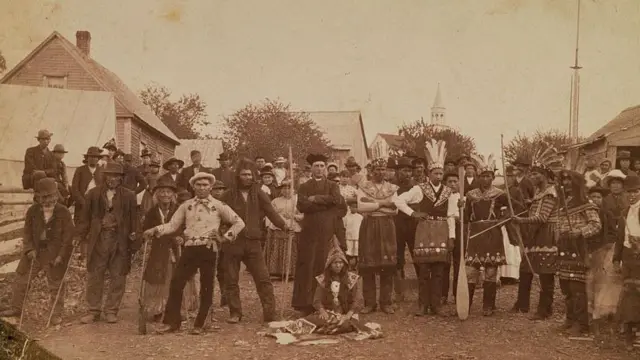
133, 179
226, 175
161, 248
90, 221
167, 177
253, 211
36, 158
81, 179
59, 232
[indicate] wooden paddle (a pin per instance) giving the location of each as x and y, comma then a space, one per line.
462, 291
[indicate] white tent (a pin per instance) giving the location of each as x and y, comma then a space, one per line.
77, 119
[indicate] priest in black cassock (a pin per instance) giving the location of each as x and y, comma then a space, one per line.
322, 205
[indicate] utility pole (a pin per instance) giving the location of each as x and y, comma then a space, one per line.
575, 88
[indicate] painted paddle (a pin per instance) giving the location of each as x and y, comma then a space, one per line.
462, 290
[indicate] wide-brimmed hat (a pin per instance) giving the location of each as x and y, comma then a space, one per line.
166, 183
171, 161
267, 170
632, 183
404, 162
38, 175
615, 174
47, 186
59, 148
113, 168
223, 157
624, 155
280, 160
44, 134
200, 176
93, 151
110, 145
219, 185
598, 189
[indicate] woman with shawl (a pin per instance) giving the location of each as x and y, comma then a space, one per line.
164, 250
337, 296
277, 239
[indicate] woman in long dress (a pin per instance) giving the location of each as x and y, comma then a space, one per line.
278, 240
163, 255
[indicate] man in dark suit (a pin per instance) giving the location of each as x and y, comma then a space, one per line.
172, 166
521, 170
469, 166
146, 162
85, 178
225, 172
38, 158
189, 171
133, 178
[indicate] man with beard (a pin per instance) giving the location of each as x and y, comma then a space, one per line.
540, 242
390, 171
252, 205
432, 243
201, 218
579, 225
321, 203
108, 224
405, 226
377, 247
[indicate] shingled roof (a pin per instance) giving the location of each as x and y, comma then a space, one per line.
627, 118
393, 140
108, 80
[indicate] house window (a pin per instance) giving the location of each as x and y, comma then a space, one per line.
57, 82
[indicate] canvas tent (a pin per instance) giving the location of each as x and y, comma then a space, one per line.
621, 133
209, 148
77, 119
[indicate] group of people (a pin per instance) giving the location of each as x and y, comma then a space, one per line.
328, 228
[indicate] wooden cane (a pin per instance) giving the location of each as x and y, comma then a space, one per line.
26, 293
55, 301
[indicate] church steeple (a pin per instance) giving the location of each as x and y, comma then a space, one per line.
438, 111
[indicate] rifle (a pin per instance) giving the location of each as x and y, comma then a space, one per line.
142, 311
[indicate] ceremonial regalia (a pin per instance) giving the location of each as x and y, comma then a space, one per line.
432, 243
578, 224
485, 251
377, 248
539, 235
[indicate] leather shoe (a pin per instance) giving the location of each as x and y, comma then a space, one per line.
233, 319
90, 318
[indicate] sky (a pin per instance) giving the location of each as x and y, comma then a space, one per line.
503, 65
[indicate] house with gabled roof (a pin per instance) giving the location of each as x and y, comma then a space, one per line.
58, 63
385, 145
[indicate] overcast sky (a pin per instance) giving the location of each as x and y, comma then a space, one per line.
503, 65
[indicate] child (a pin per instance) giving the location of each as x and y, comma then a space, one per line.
337, 297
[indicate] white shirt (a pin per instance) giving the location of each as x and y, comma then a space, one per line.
92, 183
414, 196
453, 212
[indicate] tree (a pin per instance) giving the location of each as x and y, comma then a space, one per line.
416, 134
3, 63
525, 147
184, 117
268, 129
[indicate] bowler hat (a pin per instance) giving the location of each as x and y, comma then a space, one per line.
59, 148
171, 161
392, 163
632, 183
93, 151
166, 183
47, 187
44, 134
38, 175
113, 168
598, 189
624, 154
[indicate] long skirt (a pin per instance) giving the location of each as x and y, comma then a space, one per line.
486, 249
604, 285
377, 246
276, 253
512, 253
156, 295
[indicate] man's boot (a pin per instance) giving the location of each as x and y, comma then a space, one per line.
472, 290
488, 298
398, 287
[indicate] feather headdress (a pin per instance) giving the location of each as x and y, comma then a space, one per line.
546, 157
487, 164
436, 153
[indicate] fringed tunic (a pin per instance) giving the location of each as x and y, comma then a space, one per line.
482, 212
539, 233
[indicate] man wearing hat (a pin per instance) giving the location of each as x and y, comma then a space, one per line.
306, 175
279, 170
133, 178
108, 223
201, 218
624, 163
85, 178
225, 172
61, 170
470, 181
47, 240
145, 158
617, 200
390, 172
172, 166
38, 158
218, 189
187, 173
321, 203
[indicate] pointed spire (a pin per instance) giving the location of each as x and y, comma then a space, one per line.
437, 102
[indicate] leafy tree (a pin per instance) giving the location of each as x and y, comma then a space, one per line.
417, 133
3, 63
268, 129
185, 117
524, 147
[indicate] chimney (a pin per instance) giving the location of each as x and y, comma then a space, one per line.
83, 41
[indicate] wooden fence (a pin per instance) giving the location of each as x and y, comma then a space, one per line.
14, 203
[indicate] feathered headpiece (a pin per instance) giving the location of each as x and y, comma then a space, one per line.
487, 164
545, 158
436, 153
379, 162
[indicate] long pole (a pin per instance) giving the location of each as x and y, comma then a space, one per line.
290, 233
575, 86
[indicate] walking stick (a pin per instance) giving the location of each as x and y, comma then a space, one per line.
26, 293
289, 238
55, 301
462, 288
142, 311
